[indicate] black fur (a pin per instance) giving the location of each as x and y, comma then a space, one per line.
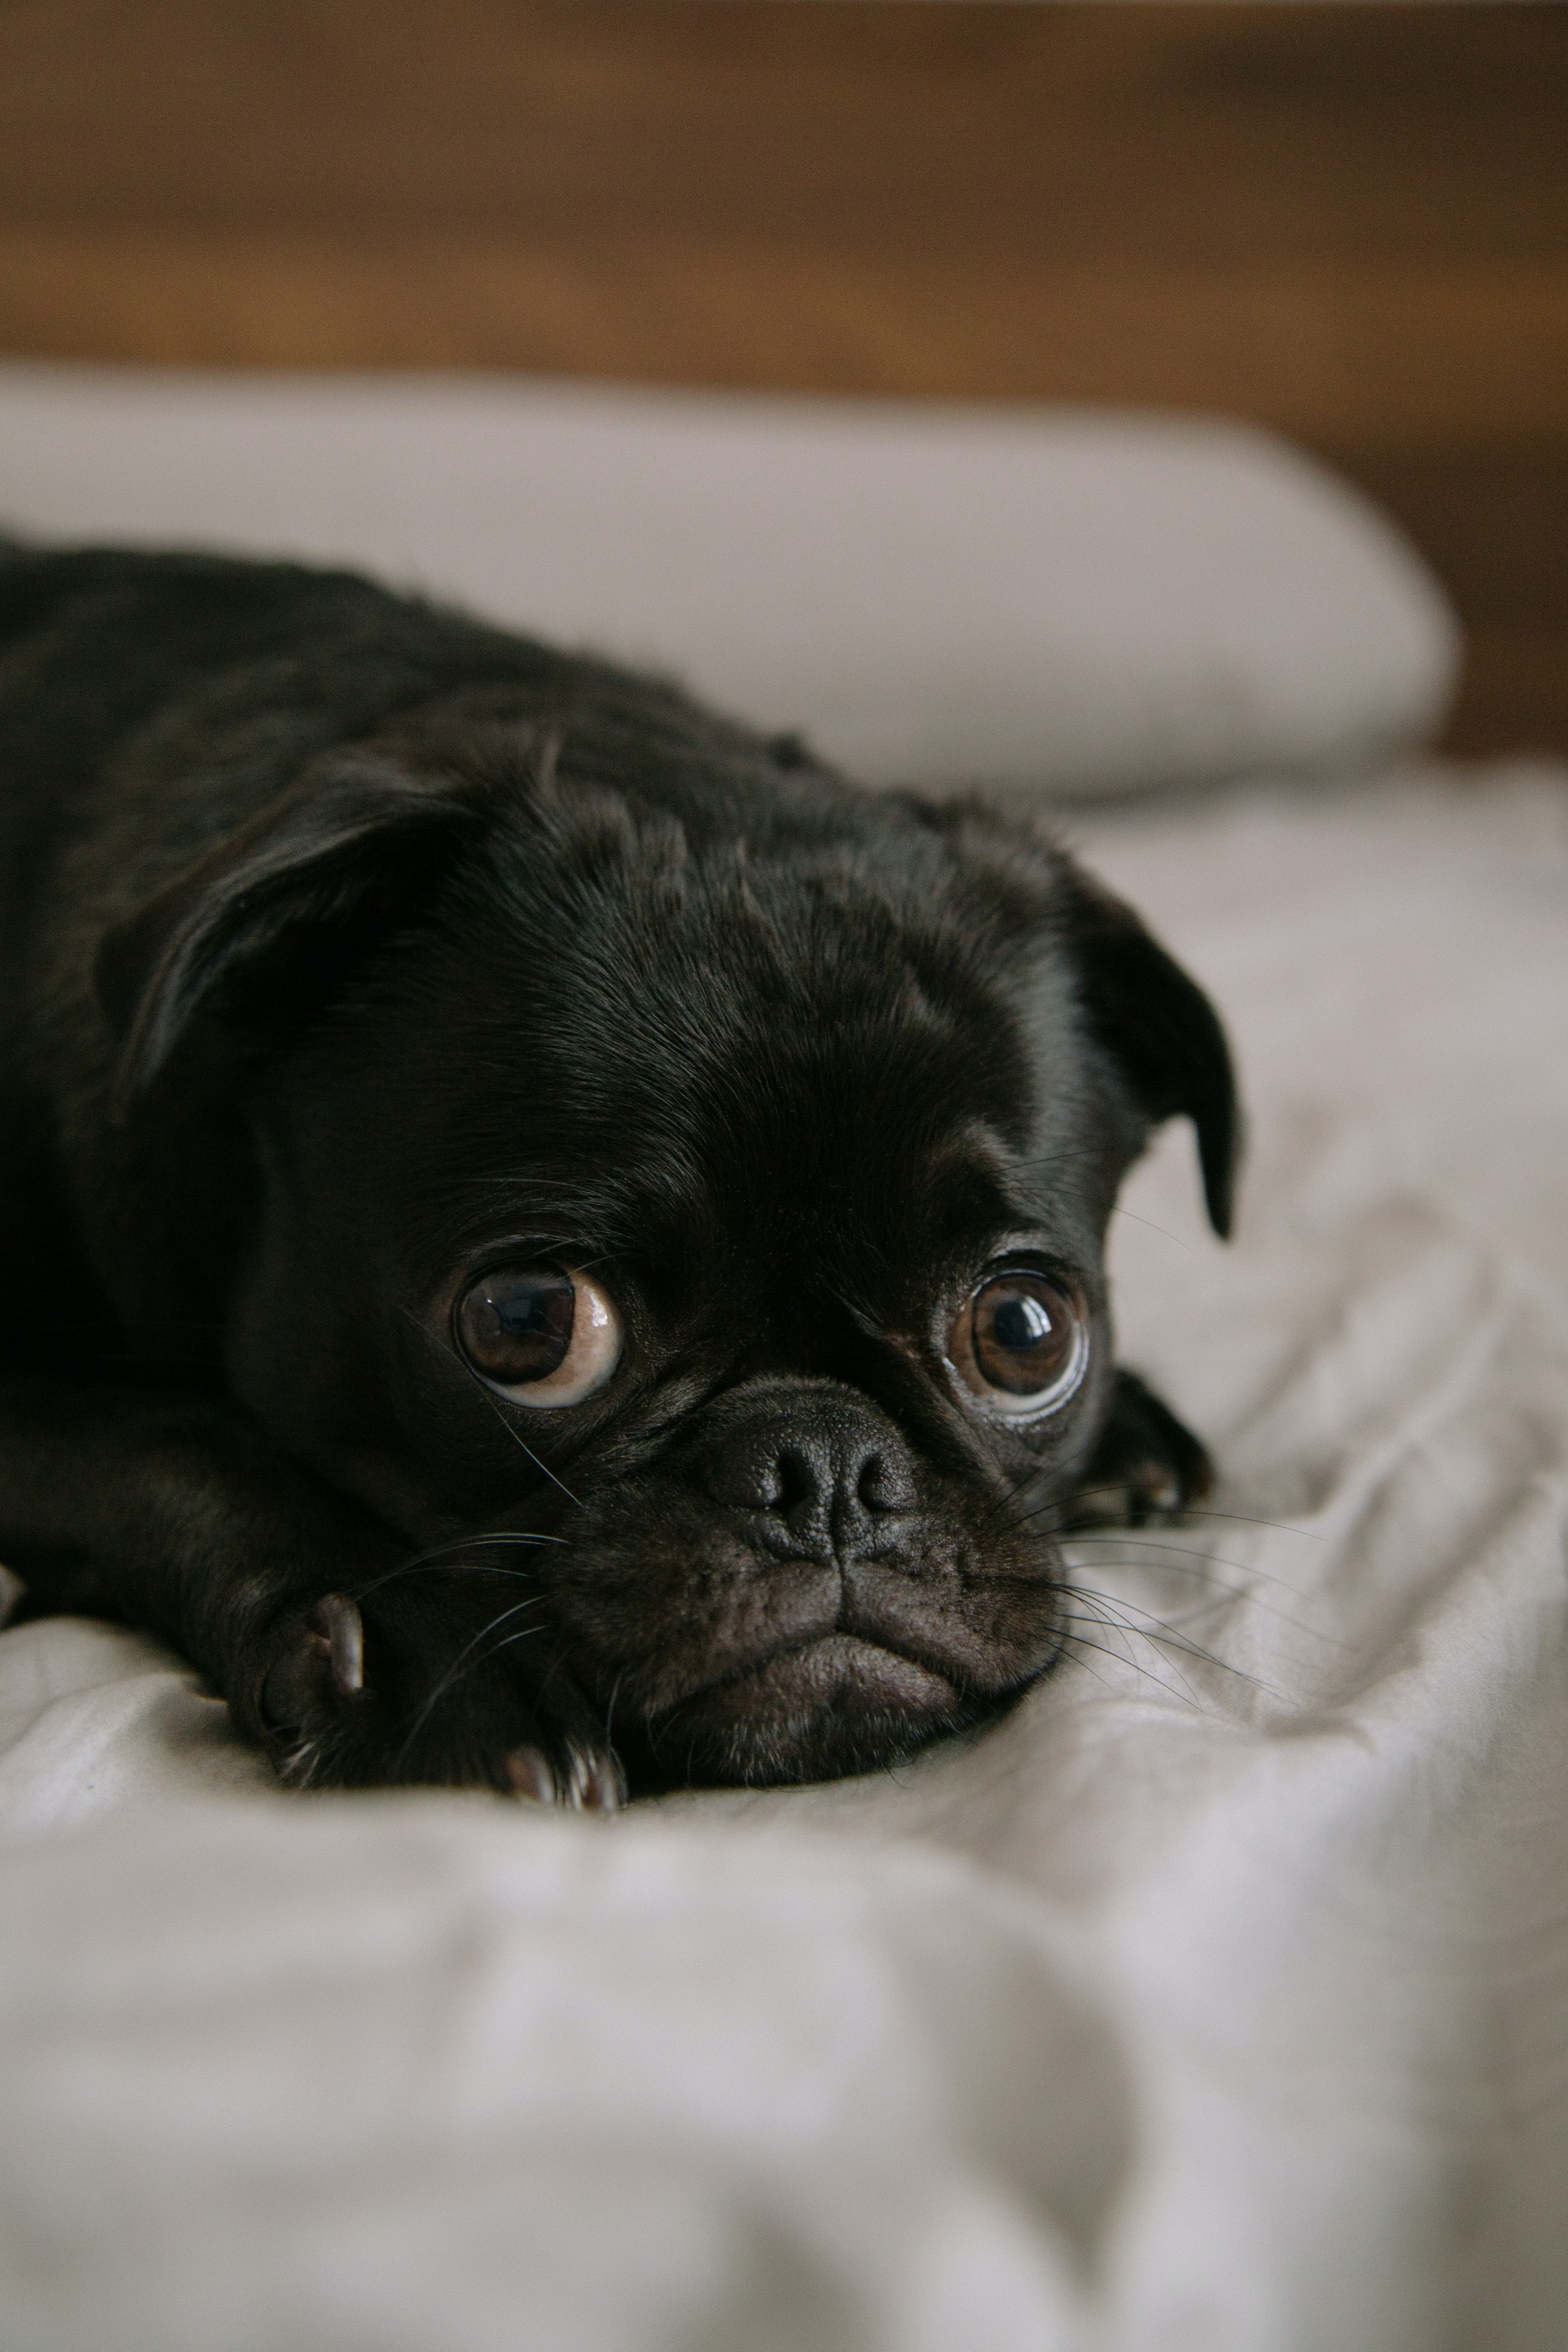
346, 943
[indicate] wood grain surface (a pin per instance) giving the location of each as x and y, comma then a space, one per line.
1350, 221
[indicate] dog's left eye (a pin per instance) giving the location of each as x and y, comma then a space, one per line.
1021, 1344
540, 1334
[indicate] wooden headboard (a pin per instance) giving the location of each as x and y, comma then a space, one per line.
1350, 221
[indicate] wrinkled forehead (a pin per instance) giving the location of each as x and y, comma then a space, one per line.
769, 1066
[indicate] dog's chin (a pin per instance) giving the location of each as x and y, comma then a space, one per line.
815, 1711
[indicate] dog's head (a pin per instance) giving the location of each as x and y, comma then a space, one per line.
710, 1183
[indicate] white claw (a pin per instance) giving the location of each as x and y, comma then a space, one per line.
335, 1618
590, 1781
593, 1785
528, 1770
604, 1790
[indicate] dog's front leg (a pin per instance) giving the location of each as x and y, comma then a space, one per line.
1146, 1464
349, 1661
177, 1514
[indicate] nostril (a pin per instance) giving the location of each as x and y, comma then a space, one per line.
778, 1479
794, 1481
820, 1488
883, 1485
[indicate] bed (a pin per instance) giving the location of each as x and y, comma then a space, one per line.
1218, 1999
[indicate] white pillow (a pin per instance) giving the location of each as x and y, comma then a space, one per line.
1035, 598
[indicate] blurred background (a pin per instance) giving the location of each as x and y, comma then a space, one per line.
1350, 222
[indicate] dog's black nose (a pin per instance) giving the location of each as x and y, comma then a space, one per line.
823, 1480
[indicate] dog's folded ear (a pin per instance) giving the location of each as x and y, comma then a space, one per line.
1161, 1031
281, 905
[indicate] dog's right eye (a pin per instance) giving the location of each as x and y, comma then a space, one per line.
540, 1334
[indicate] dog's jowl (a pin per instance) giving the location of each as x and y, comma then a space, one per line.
548, 1240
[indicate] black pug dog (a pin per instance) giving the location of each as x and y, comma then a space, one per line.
548, 1241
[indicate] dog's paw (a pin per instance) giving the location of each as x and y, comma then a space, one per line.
398, 1690
588, 1779
1147, 1467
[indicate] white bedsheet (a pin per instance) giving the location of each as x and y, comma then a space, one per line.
1217, 2002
